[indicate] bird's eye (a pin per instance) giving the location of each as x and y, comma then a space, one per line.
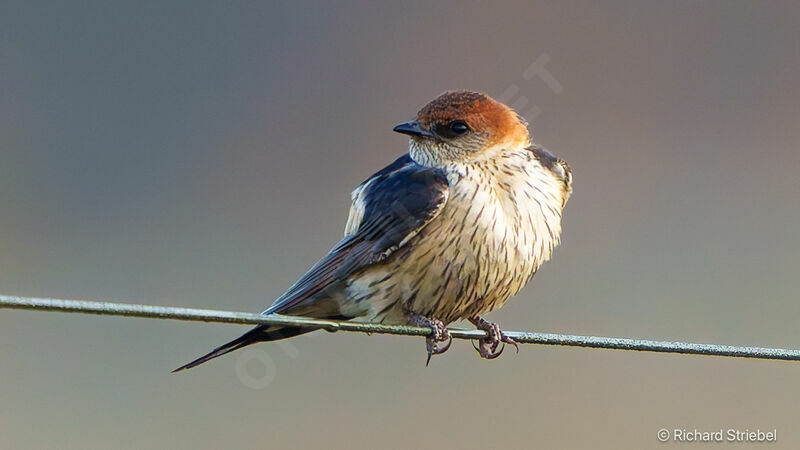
458, 127
451, 130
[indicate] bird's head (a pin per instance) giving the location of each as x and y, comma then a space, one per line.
462, 127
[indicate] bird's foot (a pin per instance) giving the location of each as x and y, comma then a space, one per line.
439, 335
487, 347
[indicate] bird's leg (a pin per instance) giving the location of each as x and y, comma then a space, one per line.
440, 334
487, 347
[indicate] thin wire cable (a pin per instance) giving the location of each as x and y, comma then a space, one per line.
522, 337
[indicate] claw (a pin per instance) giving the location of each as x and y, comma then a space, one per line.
508, 340
487, 346
437, 350
438, 336
487, 350
495, 355
434, 349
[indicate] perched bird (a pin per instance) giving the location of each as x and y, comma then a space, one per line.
448, 231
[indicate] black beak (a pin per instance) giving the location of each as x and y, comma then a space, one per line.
412, 129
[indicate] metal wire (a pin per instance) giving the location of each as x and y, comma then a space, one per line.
523, 337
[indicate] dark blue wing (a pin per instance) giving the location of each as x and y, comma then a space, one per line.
389, 209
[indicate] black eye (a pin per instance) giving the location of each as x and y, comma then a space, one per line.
458, 127
451, 130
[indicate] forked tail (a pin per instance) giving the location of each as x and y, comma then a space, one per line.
260, 333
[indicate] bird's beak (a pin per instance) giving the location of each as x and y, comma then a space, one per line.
412, 128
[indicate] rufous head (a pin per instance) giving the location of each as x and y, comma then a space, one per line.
462, 126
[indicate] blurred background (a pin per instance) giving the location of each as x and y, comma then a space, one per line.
201, 154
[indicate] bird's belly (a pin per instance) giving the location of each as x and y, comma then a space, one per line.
482, 249
474, 266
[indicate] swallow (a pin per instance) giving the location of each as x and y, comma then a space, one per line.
448, 231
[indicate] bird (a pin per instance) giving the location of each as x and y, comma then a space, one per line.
449, 231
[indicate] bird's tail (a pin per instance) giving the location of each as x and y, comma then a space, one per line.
260, 333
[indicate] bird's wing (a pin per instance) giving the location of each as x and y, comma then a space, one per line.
389, 209
556, 166
358, 195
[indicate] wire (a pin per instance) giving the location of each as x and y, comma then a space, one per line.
522, 337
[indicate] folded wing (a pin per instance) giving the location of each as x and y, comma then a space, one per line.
388, 210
